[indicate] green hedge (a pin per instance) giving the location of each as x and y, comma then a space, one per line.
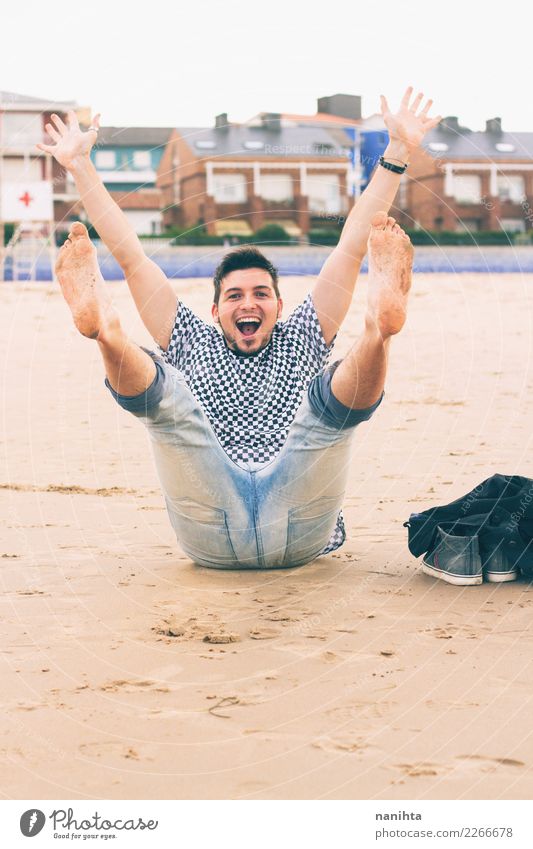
271, 234
9, 229
448, 237
324, 237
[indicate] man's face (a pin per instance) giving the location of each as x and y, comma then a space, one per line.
247, 309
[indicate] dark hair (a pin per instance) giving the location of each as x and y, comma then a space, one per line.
239, 259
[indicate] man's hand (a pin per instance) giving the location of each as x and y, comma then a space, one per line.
71, 144
406, 127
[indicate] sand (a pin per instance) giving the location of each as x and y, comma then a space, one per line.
128, 672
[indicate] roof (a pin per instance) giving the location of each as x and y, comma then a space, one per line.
133, 136
243, 141
467, 144
18, 101
321, 118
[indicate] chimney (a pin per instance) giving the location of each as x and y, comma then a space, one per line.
271, 121
493, 125
450, 124
221, 121
341, 105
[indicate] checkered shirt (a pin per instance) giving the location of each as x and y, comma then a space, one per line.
251, 402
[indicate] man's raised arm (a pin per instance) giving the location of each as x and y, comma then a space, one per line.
333, 291
152, 292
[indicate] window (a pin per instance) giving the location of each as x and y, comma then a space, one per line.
21, 129
229, 188
142, 159
467, 188
324, 149
205, 144
276, 187
105, 159
253, 145
511, 187
513, 225
438, 147
504, 147
324, 193
467, 225
19, 169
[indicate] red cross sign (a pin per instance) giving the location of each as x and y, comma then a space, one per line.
30, 200
26, 199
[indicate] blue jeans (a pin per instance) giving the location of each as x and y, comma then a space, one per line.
274, 515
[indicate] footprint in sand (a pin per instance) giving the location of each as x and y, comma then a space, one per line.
109, 747
31, 592
483, 763
362, 710
192, 629
221, 637
422, 769
348, 741
330, 656
280, 616
132, 686
450, 631
263, 633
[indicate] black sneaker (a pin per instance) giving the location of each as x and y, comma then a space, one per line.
454, 559
498, 566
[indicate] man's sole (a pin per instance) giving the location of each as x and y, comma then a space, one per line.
457, 580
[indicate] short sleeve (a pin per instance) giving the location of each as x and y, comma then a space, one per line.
188, 332
303, 323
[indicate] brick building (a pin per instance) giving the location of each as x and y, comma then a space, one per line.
235, 178
464, 180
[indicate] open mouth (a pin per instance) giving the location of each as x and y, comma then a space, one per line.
248, 326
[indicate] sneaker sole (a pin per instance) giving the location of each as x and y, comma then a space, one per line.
457, 580
500, 577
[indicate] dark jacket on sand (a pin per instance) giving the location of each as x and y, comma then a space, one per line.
498, 511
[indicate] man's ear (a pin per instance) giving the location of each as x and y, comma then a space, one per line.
214, 313
280, 307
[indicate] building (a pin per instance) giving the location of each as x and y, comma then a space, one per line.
464, 180
302, 172
22, 126
127, 159
233, 179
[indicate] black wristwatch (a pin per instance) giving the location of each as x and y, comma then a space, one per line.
398, 169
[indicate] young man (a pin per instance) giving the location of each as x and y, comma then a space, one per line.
252, 466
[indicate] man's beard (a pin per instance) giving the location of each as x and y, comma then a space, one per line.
233, 345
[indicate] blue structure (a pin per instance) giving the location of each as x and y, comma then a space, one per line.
190, 262
373, 144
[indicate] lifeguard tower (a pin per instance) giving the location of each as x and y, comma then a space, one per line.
36, 198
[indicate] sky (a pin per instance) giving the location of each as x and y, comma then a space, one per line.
180, 64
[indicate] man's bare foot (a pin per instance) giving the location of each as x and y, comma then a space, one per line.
82, 284
389, 280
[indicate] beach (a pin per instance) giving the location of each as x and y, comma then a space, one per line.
130, 673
